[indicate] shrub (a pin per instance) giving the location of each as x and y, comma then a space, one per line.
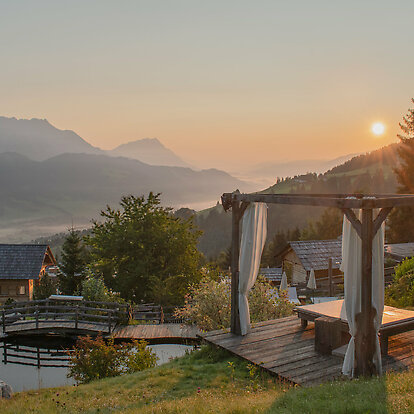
94, 289
95, 359
401, 291
207, 305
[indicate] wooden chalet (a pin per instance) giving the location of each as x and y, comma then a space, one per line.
21, 268
399, 251
300, 257
272, 274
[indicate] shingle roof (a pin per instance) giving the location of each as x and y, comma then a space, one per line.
21, 261
314, 254
400, 250
273, 274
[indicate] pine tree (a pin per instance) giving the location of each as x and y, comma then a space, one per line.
73, 264
44, 288
401, 223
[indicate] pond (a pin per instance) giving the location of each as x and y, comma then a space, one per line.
30, 364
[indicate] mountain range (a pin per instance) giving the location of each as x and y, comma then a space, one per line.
51, 178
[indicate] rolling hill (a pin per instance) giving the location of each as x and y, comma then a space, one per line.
41, 197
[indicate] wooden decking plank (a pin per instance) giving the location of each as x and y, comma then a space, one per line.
331, 369
280, 342
300, 362
316, 365
262, 336
256, 329
289, 356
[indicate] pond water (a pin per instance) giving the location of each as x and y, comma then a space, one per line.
42, 363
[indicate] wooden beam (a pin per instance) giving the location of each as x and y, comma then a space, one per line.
356, 224
236, 215
325, 200
382, 215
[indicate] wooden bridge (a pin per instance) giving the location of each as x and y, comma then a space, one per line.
62, 317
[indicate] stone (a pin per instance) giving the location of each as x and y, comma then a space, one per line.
6, 390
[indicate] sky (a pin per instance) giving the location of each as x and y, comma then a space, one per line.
221, 83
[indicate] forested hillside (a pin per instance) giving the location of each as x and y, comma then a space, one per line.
368, 173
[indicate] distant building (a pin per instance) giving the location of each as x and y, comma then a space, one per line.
399, 251
272, 274
300, 257
21, 268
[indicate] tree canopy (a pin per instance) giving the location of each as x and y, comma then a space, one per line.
401, 223
144, 252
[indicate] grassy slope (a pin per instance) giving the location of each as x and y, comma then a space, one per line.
173, 388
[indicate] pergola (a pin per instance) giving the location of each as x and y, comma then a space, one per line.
366, 229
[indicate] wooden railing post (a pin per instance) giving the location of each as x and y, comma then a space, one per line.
331, 290
76, 316
3, 319
37, 316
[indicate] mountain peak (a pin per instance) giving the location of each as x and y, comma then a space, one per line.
38, 139
150, 151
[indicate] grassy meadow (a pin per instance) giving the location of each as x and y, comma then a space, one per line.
211, 381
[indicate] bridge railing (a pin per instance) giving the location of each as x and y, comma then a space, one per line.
49, 312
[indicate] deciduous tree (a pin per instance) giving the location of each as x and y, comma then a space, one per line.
141, 248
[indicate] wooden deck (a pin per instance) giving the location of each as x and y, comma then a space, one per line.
285, 349
167, 332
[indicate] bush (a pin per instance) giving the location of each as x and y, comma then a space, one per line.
207, 305
95, 359
94, 289
401, 291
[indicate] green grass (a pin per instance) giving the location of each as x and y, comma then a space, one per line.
204, 382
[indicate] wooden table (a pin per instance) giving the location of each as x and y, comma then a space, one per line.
394, 320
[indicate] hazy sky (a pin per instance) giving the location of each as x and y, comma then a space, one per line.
219, 82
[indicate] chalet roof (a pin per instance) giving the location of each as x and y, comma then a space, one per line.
272, 274
400, 251
314, 254
22, 261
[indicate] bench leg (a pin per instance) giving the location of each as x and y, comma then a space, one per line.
384, 344
304, 323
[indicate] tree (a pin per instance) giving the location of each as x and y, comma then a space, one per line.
401, 223
73, 264
329, 226
141, 248
44, 288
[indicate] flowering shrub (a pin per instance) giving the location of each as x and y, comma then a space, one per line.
94, 359
400, 293
207, 305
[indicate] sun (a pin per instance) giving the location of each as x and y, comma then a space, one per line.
378, 128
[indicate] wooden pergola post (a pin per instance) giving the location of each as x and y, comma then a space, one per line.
235, 253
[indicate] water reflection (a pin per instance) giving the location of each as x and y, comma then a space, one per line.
33, 363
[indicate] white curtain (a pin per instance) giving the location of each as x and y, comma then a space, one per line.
254, 230
352, 267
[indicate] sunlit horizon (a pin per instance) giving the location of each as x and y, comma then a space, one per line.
220, 84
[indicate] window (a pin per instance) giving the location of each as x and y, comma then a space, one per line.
22, 290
